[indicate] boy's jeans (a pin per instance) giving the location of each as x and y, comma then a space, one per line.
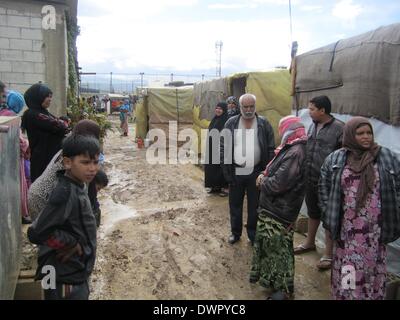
68, 292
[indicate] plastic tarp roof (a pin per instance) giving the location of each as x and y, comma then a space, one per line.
170, 104
361, 75
272, 90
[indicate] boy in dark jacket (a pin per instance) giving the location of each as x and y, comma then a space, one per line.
66, 228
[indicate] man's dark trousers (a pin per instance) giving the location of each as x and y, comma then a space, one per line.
244, 184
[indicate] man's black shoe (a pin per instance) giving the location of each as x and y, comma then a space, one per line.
233, 239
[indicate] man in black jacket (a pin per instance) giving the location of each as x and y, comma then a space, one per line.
244, 154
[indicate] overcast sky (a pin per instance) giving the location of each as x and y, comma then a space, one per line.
132, 36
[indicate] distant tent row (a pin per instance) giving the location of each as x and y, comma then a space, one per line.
194, 106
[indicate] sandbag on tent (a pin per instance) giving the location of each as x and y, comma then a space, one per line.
361, 75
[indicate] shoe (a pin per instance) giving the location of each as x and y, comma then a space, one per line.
251, 242
324, 263
214, 190
303, 249
233, 239
26, 220
223, 194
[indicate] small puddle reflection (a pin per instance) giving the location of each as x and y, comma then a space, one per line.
115, 212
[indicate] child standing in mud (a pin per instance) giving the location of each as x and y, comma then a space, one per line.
66, 228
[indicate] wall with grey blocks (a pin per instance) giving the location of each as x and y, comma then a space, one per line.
29, 54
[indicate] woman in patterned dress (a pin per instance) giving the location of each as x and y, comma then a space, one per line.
359, 196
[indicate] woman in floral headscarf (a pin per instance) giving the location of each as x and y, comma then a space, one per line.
359, 197
281, 196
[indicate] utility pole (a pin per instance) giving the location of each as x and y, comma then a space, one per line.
141, 79
218, 49
111, 85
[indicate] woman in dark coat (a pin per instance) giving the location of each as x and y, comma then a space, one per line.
213, 177
45, 131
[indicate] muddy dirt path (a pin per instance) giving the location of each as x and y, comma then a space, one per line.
163, 237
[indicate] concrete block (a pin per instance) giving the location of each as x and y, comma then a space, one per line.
5, 66
12, 77
33, 56
36, 23
10, 32
28, 289
4, 43
37, 45
33, 34
18, 21
11, 55
19, 87
33, 77
3, 20
3, 10
22, 66
14, 12
21, 44
40, 68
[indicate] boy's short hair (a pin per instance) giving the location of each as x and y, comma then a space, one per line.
75, 145
101, 178
322, 102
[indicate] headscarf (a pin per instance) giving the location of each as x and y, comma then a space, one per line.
232, 99
15, 101
360, 160
87, 128
36, 94
218, 122
291, 130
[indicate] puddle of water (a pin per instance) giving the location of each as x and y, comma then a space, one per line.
115, 212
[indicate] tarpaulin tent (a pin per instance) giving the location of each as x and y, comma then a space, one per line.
272, 90
161, 105
361, 75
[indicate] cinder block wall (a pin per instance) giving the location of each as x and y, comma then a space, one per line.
29, 54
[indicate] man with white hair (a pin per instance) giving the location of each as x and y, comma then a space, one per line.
243, 157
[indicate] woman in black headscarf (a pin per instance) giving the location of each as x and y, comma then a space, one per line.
213, 177
45, 131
